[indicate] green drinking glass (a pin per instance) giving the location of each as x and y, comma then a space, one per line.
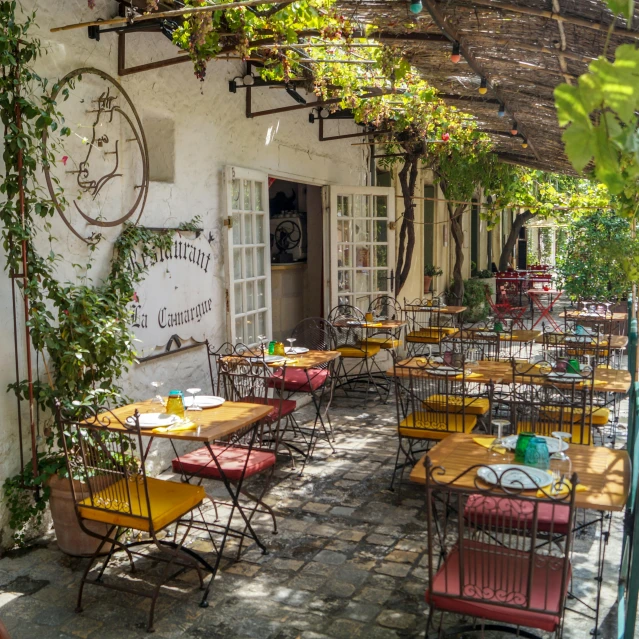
522, 444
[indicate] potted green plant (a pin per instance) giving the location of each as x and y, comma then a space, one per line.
430, 271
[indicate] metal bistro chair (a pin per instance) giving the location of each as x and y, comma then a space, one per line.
432, 403
351, 341
109, 486
544, 401
389, 308
488, 564
316, 334
425, 325
250, 452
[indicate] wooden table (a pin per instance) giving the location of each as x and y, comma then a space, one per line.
212, 423
604, 472
608, 319
312, 359
517, 335
617, 342
444, 310
607, 380
379, 325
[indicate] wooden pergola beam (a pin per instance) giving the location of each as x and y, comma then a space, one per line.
551, 15
450, 31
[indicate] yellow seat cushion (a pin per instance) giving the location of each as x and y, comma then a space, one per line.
361, 351
547, 429
600, 415
429, 426
473, 405
384, 342
432, 335
169, 501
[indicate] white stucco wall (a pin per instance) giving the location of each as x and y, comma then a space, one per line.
211, 132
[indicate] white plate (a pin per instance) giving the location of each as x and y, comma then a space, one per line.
556, 375
515, 476
295, 350
154, 420
510, 442
204, 401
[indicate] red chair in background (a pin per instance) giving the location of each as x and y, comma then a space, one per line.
503, 308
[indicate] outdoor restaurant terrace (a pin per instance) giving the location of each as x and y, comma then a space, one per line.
324, 319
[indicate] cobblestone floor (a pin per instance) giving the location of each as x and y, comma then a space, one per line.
348, 561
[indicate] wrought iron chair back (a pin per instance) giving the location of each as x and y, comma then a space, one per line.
240, 374
544, 401
386, 306
103, 454
487, 342
487, 536
314, 333
348, 326
434, 399
422, 314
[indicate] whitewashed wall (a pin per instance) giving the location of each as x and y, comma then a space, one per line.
211, 131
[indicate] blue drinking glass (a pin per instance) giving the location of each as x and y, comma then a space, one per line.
537, 454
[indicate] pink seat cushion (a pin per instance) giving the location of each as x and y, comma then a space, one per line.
231, 459
288, 405
499, 574
296, 381
493, 512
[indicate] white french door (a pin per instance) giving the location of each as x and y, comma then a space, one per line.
248, 259
362, 244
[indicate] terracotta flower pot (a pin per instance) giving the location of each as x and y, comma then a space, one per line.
72, 540
427, 282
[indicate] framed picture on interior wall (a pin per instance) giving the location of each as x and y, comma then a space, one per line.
445, 234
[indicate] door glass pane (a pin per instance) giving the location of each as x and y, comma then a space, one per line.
358, 207
344, 255
344, 281
362, 281
343, 208
239, 329
381, 232
261, 293
250, 296
381, 280
362, 231
248, 263
362, 301
362, 255
381, 206
381, 255
260, 261
345, 300
237, 229
235, 194
247, 195
259, 229
261, 323
237, 264
344, 231
239, 301
259, 205
250, 335
248, 229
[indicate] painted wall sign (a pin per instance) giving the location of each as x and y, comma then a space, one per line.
176, 296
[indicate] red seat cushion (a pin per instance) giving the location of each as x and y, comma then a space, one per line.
493, 512
296, 381
288, 405
499, 574
231, 459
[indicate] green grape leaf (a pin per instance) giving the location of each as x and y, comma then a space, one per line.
624, 7
570, 107
580, 145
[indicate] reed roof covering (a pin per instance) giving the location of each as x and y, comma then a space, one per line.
524, 49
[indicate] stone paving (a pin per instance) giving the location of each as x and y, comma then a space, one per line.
348, 561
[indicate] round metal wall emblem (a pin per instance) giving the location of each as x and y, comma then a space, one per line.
100, 177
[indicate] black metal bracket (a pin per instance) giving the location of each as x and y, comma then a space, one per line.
174, 339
